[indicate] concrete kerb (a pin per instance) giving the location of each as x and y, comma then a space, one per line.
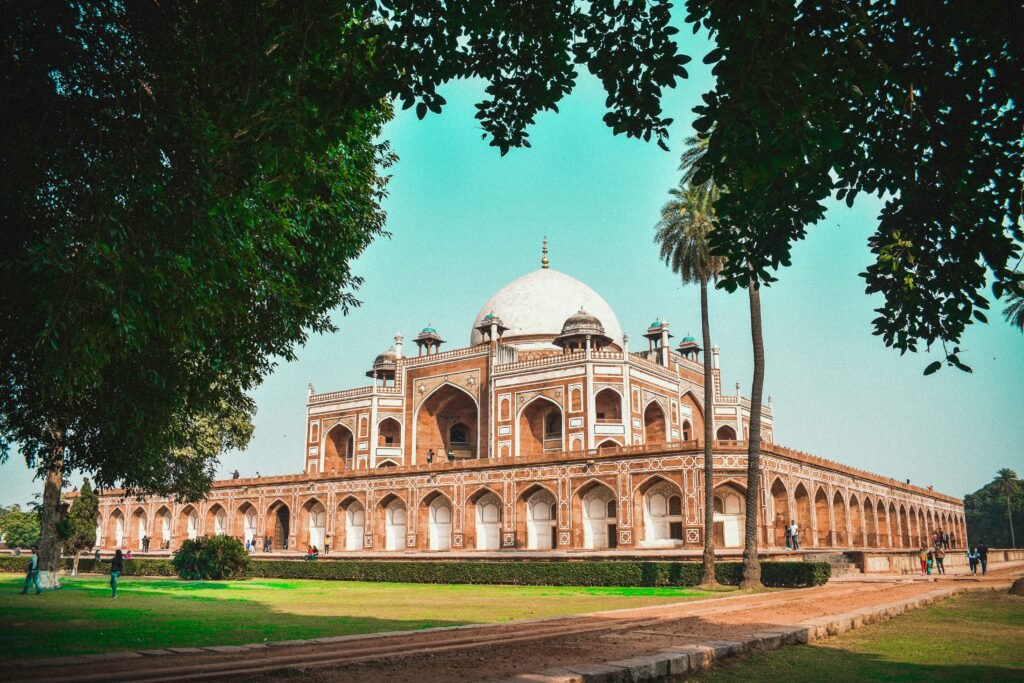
682, 660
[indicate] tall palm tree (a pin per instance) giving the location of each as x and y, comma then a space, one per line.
1006, 484
683, 233
1014, 311
691, 161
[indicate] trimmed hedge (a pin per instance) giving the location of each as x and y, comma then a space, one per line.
526, 572
567, 573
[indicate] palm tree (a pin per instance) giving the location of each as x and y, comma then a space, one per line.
1006, 484
691, 161
683, 235
1014, 311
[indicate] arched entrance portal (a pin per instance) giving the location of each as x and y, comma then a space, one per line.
541, 521
662, 513
278, 526
439, 523
540, 427
487, 520
139, 528
598, 516
339, 444
353, 521
780, 502
115, 529
316, 524
395, 521
802, 503
654, 424
729, 515
446, 424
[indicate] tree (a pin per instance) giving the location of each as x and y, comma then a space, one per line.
986, 512
683, 235
693, 171
1007, 485
79, 533
20, 527
918, 103
1014, 311
186, 185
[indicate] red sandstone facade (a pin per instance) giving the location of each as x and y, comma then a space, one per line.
546, 432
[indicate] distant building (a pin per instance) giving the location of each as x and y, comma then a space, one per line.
545, 432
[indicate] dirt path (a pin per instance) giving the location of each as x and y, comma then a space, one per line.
498, 651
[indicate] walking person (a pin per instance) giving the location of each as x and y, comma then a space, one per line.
945, 540
116, 566
983, 558
972, 560
32, 575
931, 561
794, 531
789, 538
923, 556
327, 544
145, 544
940, 555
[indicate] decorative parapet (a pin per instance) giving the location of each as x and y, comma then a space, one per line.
558, 359
412, 361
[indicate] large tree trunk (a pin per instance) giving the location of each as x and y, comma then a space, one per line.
709, 579
49, 542
751, 565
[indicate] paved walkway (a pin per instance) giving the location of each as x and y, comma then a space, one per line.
556, 649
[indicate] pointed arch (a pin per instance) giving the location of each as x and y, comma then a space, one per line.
389, 432
594, 511
856, 521
115, 528
391, 520
337, 449
434, 515
780, 506
351, 523
540, 427
162, 527
609, 442
609, 406
246, 519
312, 529
484, 511
656, 423
446, 421
802, 511
279, 525
730, 507
697, 415
822, 509
725, 433
840, 518
537, 517
658, 511
216, 520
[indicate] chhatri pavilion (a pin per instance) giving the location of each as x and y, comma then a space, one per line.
545, 432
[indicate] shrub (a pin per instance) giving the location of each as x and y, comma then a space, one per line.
214, 557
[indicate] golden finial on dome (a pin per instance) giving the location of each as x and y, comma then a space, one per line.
544, 261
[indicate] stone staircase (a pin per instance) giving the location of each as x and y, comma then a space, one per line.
842, 564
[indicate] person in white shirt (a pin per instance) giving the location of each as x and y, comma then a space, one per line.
794, 531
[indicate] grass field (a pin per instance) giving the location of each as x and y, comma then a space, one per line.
151, 613
973, 637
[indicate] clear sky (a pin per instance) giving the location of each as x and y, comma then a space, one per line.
465, 221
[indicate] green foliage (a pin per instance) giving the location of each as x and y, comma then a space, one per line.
918, 103
211, 557
985, 512
79, 531
20, 527
581, 573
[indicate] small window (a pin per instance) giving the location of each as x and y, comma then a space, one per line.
675, 505
459, 434
719, 507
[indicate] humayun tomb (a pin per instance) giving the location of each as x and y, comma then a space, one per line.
546, 432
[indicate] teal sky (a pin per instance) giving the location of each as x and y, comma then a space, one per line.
465, 221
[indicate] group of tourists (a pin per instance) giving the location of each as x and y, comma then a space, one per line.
933, 560
941, 539
978, 555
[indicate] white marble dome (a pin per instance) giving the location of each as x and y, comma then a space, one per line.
539, 303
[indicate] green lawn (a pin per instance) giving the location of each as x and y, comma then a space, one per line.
973, 637
153, 613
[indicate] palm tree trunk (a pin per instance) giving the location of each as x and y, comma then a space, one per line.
751, 565
1009, 516
709, 579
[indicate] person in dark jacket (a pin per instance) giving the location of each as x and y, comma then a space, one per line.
116, 566
983, 558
